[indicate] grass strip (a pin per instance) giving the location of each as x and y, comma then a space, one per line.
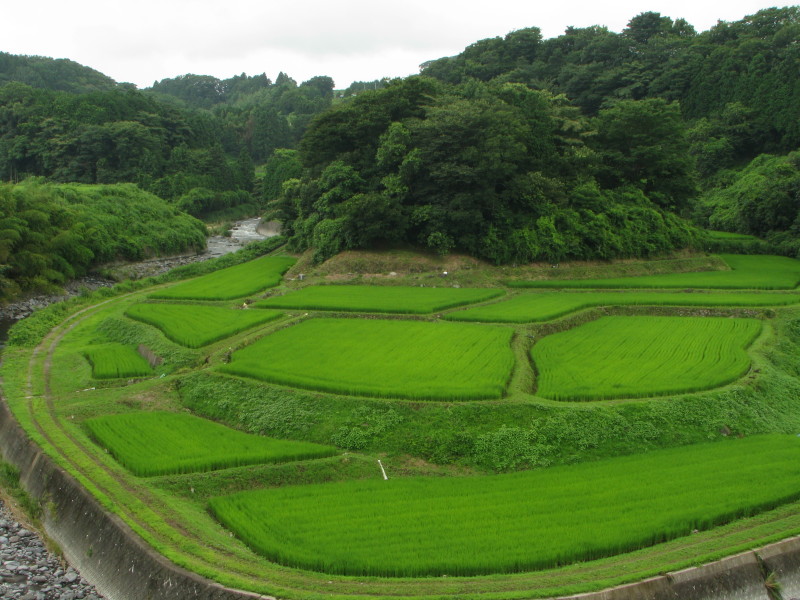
160, 443
113, 360
234, 282
761, 272
543, 306
195, 326
631, 357
386, 299
510, 523
385, 358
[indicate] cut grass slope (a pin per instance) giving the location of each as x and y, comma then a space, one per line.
195, 326
234, 282
111, 360
747, 272
542, 306
628, 357
395, 359
387, 299
159, 443
518, 522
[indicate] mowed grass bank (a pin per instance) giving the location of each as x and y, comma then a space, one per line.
747, 272
542, 306
194, 326
112, 360
386, 299
385, 358
234, 282
160, 443
628, 357
517, 522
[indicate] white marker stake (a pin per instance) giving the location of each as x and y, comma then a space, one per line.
380, 464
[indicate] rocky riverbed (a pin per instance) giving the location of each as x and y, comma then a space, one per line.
28, 571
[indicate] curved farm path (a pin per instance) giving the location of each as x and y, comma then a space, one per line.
144, 495
251, 570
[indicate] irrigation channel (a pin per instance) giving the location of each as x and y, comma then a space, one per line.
28, 571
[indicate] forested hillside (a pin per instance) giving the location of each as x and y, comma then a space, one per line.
192, 140
501, 171
588, 145
50, 233
592, 144
46, 73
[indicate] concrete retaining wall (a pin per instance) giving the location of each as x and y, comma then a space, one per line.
110, 555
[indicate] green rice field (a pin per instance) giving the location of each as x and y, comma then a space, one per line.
727, 235
195, 326
747, 272
522, 521
112, 360
234, 282
528, 454
628, 357
385, 358
387, 299
542, 306
158, 443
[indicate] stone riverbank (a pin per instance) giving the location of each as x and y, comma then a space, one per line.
28, 571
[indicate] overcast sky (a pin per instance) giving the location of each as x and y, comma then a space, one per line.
349, 40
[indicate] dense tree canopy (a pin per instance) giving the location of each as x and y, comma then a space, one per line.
52, 233
500, 170
592, 144
46, 73
752, 62
166, 142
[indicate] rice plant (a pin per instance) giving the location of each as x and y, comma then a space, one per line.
542, 306
194, 326
159, 443
386, 358
434, 526
747, 272
624, 357
234, 282
386, 299
111, 361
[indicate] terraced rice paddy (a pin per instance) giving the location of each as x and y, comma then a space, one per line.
727, 235
385, 358
158, 443
523, 521
111, 361
386, 299
542, 306
625, 357
747, 272
195, 326
234, 282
